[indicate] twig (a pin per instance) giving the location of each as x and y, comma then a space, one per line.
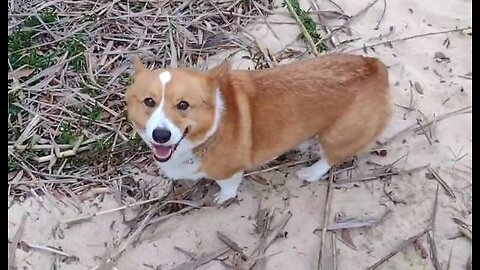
411, 37
268, 236
13, 246
365, 9
265, 54
431, 234
442, 183
344, 25
469, 263
202, 260
354, 223
163, 218
111, 261
89, 216
304, 30
334, 250
48, 249
433, 217
414, 127
383, 14
337, 172
424, 131
284, 165
263, 220
64, 154
464, 228
326, 215
186, 252
173, 49
27, 131
234, 246
104, 212
399, 248
449, 259
325, 29
336, 5
256, 258
274, 233
380, 175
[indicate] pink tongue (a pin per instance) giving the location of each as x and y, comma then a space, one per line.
162, 152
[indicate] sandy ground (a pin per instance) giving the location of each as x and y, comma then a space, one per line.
450, 154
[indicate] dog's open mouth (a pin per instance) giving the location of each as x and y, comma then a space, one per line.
163, 153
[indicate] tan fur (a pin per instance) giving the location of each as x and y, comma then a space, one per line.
344, 99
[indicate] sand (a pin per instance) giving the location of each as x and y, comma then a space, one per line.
449, 154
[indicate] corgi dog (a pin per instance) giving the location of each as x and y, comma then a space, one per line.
219, 123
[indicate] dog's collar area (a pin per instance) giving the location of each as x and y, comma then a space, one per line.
201, 149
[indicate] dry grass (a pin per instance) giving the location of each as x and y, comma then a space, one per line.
69, 65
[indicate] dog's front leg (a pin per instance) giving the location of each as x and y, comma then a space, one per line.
228, 188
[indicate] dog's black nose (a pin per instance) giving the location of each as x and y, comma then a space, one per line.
161, 135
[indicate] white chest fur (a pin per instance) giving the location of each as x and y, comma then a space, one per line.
185, 166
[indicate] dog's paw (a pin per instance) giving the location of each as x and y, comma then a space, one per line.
314, 172
308, 174
222, 197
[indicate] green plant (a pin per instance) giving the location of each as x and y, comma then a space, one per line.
75, 48
13, 110
12, 165
20, 41
67, 134
24, 47
95, 112
309, 24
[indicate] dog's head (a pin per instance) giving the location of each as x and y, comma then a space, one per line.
174, 110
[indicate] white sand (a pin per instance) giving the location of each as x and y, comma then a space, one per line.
408, 62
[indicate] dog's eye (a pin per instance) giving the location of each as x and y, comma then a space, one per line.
149, 102
183, 105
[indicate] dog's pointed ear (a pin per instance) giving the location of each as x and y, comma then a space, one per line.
137, 65
219, 72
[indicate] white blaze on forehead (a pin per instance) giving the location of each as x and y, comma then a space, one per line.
165, 77
158, 119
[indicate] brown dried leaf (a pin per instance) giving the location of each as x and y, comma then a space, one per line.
347, 238
440, 55
24, 246
418, 88
334, 15
20, 73
420, 249
446, 43
258, 179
